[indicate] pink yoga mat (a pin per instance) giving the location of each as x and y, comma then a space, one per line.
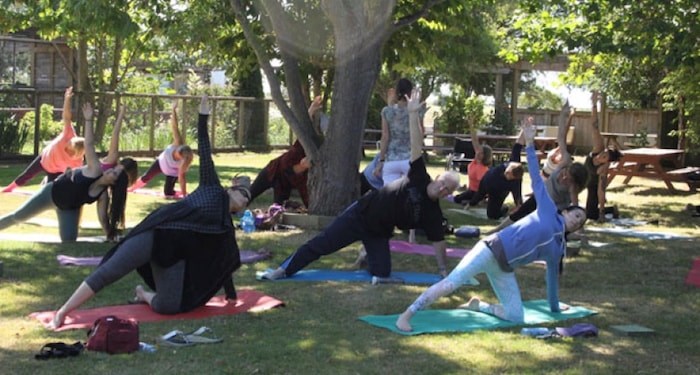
248, 300
247, 257
414, 248
156, 193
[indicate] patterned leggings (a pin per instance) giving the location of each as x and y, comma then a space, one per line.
479, 260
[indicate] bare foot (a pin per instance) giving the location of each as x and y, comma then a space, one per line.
403, 322
472, 305
143, 295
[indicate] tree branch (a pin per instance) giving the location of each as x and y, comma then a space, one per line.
411, 18
275, 85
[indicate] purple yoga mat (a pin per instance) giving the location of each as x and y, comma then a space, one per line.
247, 256
414, 248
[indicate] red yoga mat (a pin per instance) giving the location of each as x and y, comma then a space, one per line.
248, 300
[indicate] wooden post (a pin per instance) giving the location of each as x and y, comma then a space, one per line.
213, 124
241, 123
37, 122
266, 121
151, 126
514, 95
183, 123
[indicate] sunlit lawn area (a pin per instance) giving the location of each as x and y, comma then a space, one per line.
628, 281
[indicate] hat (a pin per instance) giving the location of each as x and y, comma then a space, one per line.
578, 330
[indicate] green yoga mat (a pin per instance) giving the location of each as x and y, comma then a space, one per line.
459, 320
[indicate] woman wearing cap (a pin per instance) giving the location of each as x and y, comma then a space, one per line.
185, 251
538, 236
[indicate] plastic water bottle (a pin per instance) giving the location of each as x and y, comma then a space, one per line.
534, 331
248, 222
146, 348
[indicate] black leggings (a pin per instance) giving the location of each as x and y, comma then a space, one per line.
154, 170
132, 254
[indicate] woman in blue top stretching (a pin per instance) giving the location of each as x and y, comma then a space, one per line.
538, 236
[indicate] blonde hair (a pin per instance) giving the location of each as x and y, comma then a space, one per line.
77, 144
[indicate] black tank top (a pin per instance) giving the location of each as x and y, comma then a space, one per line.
71, 190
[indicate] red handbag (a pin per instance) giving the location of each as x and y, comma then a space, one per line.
113, 335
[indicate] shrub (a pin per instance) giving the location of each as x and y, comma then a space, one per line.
13, 134
48, 128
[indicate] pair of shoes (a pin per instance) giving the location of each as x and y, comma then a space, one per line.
198, 336
59, 350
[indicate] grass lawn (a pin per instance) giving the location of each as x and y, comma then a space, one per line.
628, 281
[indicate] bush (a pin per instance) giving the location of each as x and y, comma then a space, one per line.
48, 128
460, 112
13, 134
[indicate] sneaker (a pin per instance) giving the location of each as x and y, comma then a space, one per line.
276, 274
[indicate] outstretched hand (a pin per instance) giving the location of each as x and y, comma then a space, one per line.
414, 104
204, 105
69, 93
87, 111
174, 108
529, 130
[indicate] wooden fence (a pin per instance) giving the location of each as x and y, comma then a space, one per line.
230, 117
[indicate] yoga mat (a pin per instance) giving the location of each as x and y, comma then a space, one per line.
414, 248
479, 213
156, 193
625, 222
248, 300
460, 320
628, 232
247, 257
53, 223
24, 192
66, 260
45, 238
356, 276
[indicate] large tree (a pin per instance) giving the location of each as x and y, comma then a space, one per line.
359, 30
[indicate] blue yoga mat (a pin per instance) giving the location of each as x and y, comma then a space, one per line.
356, 276
460, 320
628, 232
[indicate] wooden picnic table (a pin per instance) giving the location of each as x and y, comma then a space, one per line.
611, 138
646, 162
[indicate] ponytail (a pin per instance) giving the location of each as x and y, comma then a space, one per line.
117, 205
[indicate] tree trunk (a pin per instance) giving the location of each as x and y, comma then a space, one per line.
255, 134
333, 180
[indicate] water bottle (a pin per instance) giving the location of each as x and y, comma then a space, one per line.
535, 331
146, 348
248, 222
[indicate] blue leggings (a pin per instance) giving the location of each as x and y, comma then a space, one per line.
68, 220
479, 259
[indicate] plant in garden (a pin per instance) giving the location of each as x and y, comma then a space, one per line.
12, 133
